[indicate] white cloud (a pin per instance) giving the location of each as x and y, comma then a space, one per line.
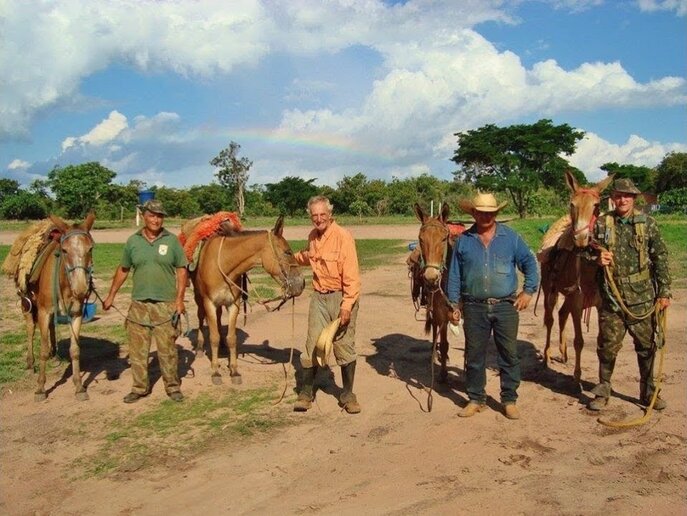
18, 164
679, 6
103, 133
593, 151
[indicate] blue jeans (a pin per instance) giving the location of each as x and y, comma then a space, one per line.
479, 322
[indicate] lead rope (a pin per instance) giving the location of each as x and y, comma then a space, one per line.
661, 325
287, 368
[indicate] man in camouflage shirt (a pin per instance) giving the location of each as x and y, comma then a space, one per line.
632, 245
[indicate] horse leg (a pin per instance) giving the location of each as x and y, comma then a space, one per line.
234, 309
213, 334
550, 299
75, 355
563, 314
44, 327
200, 339
30, 332
579, 339
443, 349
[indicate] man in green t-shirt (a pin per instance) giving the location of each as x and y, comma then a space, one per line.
157, 300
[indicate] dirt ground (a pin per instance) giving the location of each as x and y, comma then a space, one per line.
393, 458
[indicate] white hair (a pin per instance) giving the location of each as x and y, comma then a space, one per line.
317, 199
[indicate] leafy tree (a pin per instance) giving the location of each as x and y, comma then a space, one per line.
291, 194
177, 203
8, 188
256, 204
671, 172
402, 196
642, 177
233, 172
674, 200
77, 188
360, 208
24, 205
212, 198
512, 159
349, 190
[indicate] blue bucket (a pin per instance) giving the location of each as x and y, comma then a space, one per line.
145, 195
88, 311
412, 246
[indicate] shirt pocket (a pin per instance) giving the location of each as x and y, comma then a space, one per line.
330, 262
502, 265
639, 293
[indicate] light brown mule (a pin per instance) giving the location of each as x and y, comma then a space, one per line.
565, 272
63, 284
223, 260
435, 247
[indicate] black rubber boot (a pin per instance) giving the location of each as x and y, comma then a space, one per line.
348, 400
646, 383
305, 396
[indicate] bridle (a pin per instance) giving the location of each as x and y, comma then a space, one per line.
68, 270
592, 220
441, 267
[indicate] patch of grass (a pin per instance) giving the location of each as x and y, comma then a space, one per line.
173, 430
12, 357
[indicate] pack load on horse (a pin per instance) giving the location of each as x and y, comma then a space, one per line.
51, 264
428, 272
565, 271
225, 256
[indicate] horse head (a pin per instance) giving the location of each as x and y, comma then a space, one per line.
75, 248
279, 262
434, 244
584, 207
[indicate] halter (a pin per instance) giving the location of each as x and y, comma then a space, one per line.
442, 266
589, 227
59, 258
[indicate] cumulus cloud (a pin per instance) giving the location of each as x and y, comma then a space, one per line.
593, 151
18, 164
103, 133
679, 6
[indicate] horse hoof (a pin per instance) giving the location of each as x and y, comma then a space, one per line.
82, 396
216, 379
40, 396
237, 380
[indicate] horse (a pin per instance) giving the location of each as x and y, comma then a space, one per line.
223, 260
564, 271
434, 243
64, 281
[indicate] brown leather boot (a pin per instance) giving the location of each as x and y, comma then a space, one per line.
348, 400
471, 409
305, 396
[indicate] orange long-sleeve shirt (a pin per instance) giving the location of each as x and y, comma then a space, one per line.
334, 262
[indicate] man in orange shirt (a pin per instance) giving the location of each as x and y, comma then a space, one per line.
336, 289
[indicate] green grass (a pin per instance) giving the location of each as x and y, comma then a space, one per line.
173, 430
12, 357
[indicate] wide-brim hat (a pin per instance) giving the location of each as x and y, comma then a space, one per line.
485, 202
625, 185
153, 206
325, 342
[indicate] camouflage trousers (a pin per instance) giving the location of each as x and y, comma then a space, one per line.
149, 323
324, 308
613, 326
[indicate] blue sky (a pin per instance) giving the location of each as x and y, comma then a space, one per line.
155, 89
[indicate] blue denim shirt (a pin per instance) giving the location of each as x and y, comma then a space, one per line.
484, 272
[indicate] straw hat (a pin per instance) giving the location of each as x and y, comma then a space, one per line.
325, 342
481, 202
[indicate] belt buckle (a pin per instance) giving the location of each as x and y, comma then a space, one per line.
493, 300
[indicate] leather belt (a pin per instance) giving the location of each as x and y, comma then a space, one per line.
327, 291
488, 300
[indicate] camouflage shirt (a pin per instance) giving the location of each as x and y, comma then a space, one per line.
640, 258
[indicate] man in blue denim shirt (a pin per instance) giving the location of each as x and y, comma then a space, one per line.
483, 282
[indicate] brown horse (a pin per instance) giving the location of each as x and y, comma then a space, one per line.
435, 253
216, 282
63, 284
565, 272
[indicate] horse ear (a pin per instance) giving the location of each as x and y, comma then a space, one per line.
60, 224
88, 222
603, 184
571, 181
445, 210
420, 213
279, 226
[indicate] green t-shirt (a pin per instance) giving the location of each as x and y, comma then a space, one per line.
154, 265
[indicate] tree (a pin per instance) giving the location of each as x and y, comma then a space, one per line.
233, 172
8, 188
212, 198
291, 194
512, 159
77, 188
177, 202
24, 205
671, 173
642, 177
